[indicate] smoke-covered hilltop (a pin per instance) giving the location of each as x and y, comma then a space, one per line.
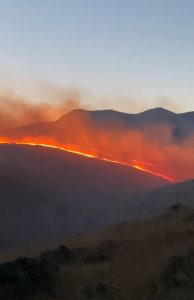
157, 137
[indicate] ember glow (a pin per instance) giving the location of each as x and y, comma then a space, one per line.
87, 152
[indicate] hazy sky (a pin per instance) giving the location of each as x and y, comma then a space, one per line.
119, 50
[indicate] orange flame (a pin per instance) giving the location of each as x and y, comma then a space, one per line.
88, 152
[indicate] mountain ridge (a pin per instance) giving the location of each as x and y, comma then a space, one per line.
155, 114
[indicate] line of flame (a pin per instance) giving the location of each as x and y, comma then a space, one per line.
97, 155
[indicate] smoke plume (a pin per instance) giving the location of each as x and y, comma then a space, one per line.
154, 147
18, 111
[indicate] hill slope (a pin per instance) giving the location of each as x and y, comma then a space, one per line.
147, 260
46, 194
158, 200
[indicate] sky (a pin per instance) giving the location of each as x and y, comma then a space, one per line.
121, 54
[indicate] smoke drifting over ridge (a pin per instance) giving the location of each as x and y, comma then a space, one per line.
16, 111
153, 147
46, 101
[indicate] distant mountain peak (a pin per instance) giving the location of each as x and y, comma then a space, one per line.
158, 110
78, 112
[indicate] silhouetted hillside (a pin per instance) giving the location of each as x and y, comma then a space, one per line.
158, 200
47, 194
146, 260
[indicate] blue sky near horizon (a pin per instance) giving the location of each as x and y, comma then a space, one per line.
141, 50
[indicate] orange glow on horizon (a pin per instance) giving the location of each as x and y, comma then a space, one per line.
87, 152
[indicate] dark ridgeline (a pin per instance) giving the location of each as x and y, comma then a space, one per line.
182, 124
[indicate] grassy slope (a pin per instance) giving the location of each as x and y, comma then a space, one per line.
125, 261
140, 254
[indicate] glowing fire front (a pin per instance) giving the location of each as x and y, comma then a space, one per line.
88, 152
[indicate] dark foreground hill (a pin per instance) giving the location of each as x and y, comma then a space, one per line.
146, 260
158, 200
46, 194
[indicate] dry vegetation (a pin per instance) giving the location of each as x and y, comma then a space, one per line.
151, 260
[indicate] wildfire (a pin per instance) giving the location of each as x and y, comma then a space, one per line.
88, 152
